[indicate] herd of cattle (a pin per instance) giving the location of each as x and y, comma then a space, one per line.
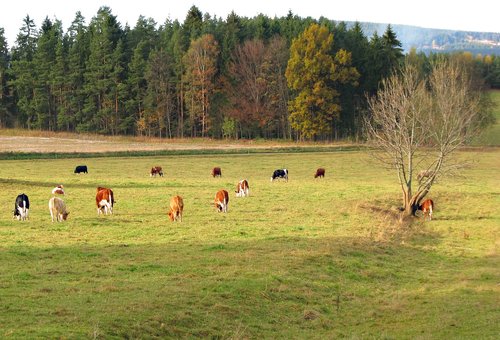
105, 197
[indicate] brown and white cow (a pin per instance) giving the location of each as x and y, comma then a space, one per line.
58, 190
427, 207
242, 189
176, 208
221, 200
216, 172
57, 209
156, 170
320, 172
105, 200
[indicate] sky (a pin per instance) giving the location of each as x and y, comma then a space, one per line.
481, 15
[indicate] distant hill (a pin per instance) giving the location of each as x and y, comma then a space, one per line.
438, 40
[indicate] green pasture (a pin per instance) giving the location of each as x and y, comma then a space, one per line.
311, 258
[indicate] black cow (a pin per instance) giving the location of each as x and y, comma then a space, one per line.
280, 173
21, 207
81, 168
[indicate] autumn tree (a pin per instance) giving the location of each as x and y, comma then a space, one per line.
247, 88
419, 122
201, 66
315, 74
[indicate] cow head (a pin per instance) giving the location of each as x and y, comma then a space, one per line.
65, 215
171, 215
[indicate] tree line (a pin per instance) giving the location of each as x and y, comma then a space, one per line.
286, 77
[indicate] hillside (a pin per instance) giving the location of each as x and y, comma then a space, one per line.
438, 40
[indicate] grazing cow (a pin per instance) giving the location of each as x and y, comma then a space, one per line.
176, 208
242, 189
156, 170
427, 207
57, 209
22, 207
280, 173
105, 199
424, 173
80, 169
216, 172
59, 190
221, 200
320, 173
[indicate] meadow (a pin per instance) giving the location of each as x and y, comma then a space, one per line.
307, 258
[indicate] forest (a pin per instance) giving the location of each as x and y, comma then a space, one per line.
287, 77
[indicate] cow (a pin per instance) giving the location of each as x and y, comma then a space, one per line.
21, 207
57, 209
156, 170
176, 208
242, 189
221, 200
105, 199
80, 169
424, 173
427, 207
58, 190
216, 172
280, 173
320, 173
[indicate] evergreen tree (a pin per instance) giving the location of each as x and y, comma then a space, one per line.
5, 97
99, 83
23, 73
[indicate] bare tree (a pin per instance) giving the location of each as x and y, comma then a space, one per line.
419, 122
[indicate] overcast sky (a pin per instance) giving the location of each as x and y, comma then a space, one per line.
483, 15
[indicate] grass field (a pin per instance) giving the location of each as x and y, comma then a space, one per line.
310, 258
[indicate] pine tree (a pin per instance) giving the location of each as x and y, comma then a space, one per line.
5, 97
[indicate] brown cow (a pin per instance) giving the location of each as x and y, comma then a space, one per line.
216, 172
59, 190
176, 208
320, 173
427, 207
105, 200
242, 189
57, 209
221, 200
156, 170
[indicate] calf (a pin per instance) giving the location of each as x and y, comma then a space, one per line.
280, 173
424, 173
21, 207
427, 207
242, 188
156, 170
216, 172
59, 190
320, 173
57, 209
176, 208
105, 199
81, 168
221, 200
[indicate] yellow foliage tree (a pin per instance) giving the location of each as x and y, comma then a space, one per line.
315, 73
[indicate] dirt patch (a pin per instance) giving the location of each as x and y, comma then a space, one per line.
66, 143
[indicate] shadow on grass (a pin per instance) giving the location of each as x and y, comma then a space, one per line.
313, 285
